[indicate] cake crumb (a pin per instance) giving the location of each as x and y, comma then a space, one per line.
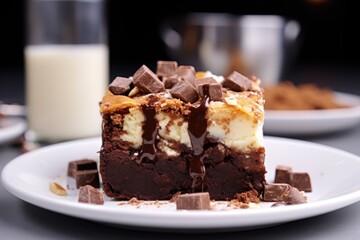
247, 197
175, 197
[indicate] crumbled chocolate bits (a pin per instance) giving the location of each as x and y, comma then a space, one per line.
237, 82
89, 194
248, 197
175, 197
147, 81
84, 172
186, 73
282, 174
282, 192
184, 91
300, 180
166, 68
120, 85
193, 201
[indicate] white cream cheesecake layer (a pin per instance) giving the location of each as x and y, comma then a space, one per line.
227, 124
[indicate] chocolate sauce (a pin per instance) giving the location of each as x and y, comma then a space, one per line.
197, 132
150, 129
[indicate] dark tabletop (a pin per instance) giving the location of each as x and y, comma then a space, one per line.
20, 220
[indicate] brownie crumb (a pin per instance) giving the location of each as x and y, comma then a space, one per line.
248, 197
175, 197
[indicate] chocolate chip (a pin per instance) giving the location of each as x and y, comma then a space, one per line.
147, 81
166, 68
120, 85
184, 91
237, 82
186, 73
79, 165
169, 82
193, 201
89, 194
301, 180
282, 174
212, 90
276, 192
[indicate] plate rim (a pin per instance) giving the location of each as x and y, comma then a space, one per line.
17, 127
86, 211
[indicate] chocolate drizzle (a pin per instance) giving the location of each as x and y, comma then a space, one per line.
197, 132
150, 129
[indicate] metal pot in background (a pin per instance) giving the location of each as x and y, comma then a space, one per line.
251, 44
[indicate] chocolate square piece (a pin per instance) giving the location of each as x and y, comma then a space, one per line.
87, 177
79, 165
193, 201
212, 90
89, 194
169, 82
276, 192
120, 85
301, 180
282, 192
147, 81
166, 68
282, 174
184, 91
186, 73
237, 82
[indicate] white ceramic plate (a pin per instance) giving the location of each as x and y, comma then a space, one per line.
10, 128
314, 122
333, 174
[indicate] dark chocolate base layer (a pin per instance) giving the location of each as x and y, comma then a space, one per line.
227, 172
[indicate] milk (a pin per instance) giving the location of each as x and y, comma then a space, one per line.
64, 85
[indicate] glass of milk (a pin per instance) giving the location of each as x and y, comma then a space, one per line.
66, 68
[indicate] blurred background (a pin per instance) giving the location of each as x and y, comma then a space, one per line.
327, 48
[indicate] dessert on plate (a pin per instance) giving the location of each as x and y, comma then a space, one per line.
181, 130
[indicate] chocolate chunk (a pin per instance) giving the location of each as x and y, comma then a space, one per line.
147, 81
87, 177
282, 174
237, 82
212, 90
166, 68
79, 165
184, 91
282, 192
276, 192
301, 180
120, 85
295, 197
89, 194
186, 73
217, 153
201, 81
169, 82
193, 201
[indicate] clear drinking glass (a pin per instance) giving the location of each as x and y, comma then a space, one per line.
66, 68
